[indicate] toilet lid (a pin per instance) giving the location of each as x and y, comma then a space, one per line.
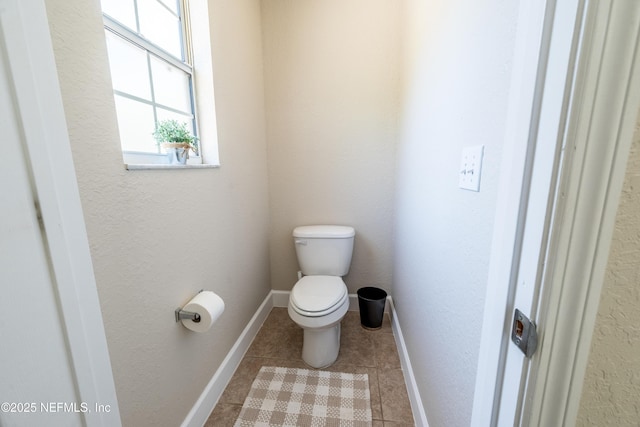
315, 294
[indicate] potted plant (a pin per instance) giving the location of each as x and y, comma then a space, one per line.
176, 140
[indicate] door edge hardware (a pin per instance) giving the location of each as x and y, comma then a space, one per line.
524, 334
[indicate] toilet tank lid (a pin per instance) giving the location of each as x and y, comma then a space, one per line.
324, 231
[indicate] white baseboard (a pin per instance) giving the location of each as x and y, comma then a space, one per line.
419, 416
201, 410
280, 298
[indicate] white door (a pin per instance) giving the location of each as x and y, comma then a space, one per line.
528, 169
546, 139
54, 365
601, 120
35, 368
584, 106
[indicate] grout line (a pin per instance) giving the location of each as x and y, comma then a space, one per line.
380, 395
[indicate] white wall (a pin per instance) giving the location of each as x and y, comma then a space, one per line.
612, 380
456, 72
331, 78
157, 237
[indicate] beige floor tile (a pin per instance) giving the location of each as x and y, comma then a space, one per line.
223, 415
357, 349
279, 337
238, 388
386, 352
374, 392
279, 343
393, 394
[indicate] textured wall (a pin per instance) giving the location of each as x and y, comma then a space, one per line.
331, 78
611, 390
157, 237
456, 74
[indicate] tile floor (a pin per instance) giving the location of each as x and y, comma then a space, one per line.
279, 343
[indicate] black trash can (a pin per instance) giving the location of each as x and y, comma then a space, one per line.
371, 302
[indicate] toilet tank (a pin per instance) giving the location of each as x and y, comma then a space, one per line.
324, 249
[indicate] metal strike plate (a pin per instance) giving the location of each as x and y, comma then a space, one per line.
523, 333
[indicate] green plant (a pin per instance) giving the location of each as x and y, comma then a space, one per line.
173, 131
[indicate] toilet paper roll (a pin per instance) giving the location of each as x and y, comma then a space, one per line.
209, 306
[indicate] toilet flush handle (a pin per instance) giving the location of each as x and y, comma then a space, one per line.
301, 242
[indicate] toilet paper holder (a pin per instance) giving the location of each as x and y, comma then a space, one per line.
187, 315
181, 315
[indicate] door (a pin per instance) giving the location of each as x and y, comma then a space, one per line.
525, 199
561, 27
54, 365
584, 106
35, 367
601, 119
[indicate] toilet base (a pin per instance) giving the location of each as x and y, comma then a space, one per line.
321, 340
320, 347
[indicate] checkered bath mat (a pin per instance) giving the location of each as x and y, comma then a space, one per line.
302, 397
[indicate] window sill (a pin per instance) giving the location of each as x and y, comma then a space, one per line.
147, 161
130, 167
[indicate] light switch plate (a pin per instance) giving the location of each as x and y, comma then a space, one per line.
471, 168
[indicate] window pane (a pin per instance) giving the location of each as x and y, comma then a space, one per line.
136, 124
129, 69
170, 85
160, 26
171, 4
170, 115
122, 11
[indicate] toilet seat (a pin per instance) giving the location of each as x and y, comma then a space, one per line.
315, 296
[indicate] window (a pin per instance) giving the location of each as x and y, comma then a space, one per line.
151, 69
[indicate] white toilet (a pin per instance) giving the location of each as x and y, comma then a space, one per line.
319, 300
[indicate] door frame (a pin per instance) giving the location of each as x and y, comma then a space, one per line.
602, 121
525, 94
38, 101
602, 114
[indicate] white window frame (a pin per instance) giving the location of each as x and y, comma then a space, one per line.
132, 158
